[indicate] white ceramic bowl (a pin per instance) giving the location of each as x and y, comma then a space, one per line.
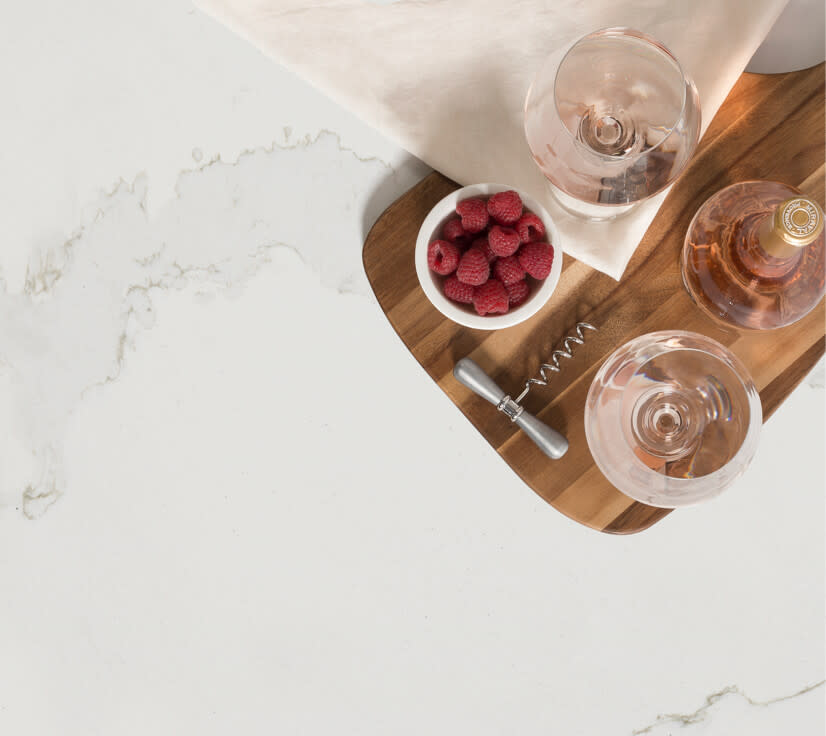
464, 314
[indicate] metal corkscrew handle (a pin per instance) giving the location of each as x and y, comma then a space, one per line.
551, 442
470, 374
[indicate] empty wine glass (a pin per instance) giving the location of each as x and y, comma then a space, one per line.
672, 418
611, 121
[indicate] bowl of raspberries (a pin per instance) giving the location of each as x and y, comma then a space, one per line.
485, 256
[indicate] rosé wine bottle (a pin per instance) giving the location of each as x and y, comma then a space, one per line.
754, 255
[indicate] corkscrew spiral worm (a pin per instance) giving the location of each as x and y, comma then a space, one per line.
553, 366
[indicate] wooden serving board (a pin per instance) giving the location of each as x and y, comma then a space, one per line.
770, 127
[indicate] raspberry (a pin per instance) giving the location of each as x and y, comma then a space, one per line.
536, 259
517, 292
474, 214
508, 270
453, 230
503, 240
483, 245
442, 257
530, 228
457, 291
505, 207
490, 297
473, 268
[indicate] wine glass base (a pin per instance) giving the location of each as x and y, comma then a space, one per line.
588, 210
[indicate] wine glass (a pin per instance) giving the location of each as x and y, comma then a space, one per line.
672, 418
611, 121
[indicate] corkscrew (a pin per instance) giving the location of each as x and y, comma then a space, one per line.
551, 442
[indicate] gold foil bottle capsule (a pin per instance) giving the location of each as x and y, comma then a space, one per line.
796, 222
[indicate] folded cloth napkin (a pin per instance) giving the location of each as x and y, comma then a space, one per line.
447, 79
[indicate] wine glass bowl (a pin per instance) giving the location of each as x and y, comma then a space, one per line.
672, 418
611, 121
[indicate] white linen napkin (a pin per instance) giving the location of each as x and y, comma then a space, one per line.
447, 79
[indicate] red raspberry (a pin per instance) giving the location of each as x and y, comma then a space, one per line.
483, 245
504, 241
454, 231
508, 270
536, 259
474, 214
490, 297
505, 207
442, 257
457, 291
517, 292
530, 228
473, 268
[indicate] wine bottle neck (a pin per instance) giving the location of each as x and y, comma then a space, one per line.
772, 242
794, 224
756, 251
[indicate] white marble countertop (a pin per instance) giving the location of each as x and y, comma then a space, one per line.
231, 501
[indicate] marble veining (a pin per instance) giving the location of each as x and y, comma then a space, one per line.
85, 302
663, 726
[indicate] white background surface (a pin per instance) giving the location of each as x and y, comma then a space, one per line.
231, 500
